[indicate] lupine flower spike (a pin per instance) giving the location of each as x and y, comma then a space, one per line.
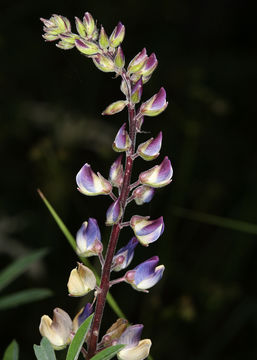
107, 55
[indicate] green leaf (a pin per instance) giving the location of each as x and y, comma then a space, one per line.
111, 301
23, 297
44, 351
19, 266
12, 351
78, 340
227, 223
108, 353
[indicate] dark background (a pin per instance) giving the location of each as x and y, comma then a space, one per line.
206, 305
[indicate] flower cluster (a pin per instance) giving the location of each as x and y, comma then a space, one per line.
108, 56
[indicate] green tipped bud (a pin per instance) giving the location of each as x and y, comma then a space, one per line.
89, 24
138, 62
56, 25
80, 27
103, 63
124, 88
115, 107
117, 35
64, 45
69, 38
86, 47
103, 39
119, 59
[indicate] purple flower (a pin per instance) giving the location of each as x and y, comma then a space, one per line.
81, 316
91, 184
116, 172
147, 231
114, 213
138, 62
124, 256
136, 92
86, 47
143, 194
89, 23
159, 175
117, 35
156, 105
149, 150
145, 275
88, 239
122, 140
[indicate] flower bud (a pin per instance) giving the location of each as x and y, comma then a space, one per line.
58, 330
91, 184
159, 175
149, 66
81, 316
124, 256
117, 35
116, 172
114, 332
145, 275
149, 150
136, 92
114, 213
88, 239
124, 88
115, 107
56, 25
80, 27
119, 59
89, 24
156, 105
147, 231
103, 39
86, 47
135, 348
138, 62
64, 45
122, 140
81, 281
143, 194
103, 63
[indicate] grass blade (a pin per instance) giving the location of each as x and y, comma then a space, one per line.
12, 351
23, 297
78, 340
227, 223
108, 353
19, 266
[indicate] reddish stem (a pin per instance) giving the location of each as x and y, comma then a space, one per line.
105, 279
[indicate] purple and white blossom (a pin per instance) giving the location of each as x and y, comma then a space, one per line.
114, 213
116, 172
155, 105
135, 349
138, 62
145, 275
147, 231
81, 316
88, 239
150, 149
122, 140
124, 256
143, 194
159, 175
91, 184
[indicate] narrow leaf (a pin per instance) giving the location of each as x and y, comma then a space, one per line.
44, 351
12, 351
23, 297
78, 340
227, 223
108, 353
111, 301
19, 266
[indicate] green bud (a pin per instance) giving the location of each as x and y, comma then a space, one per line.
69, 38
119, 59
62, 44
80, 27
115, 107
86, 47
103, 39
89, 23
103, 63
117, 35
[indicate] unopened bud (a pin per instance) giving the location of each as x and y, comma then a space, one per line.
115, 107
80, 27
138, 62
117, 35
103, 63
89, 23
114, 213
86, 47
103, 39
122, 140
155, 105
149, 150
136, 92
119, 59
81, 281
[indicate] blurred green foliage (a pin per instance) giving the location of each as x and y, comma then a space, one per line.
205, 307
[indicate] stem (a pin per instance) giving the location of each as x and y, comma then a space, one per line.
125, 189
